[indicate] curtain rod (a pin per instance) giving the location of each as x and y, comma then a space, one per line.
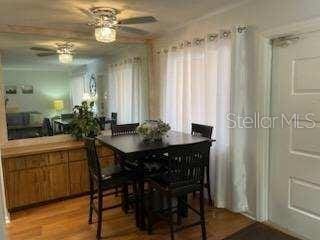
210, 37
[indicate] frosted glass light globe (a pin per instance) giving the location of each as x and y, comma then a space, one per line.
105, 34
65, 58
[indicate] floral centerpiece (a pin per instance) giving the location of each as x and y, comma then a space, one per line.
153, 130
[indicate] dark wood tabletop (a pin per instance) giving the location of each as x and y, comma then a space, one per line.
130, 144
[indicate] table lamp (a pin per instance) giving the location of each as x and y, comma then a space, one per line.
58, 106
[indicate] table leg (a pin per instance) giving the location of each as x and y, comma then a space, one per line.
183, 208
141, 199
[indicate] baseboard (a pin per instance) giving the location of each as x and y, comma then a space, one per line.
249, 215
284, 230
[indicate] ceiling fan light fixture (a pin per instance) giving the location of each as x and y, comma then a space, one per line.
105, 34
65, 58
65, 51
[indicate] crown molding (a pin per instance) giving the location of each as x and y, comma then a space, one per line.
31, 68
211, 14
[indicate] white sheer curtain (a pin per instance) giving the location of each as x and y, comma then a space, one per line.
128, 90
189, 85
77, 89
196, 81
240, 103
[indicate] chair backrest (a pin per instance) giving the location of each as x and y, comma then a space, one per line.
47, 128
124, 129
114, 118
92, 158
187, 163
102, 122
67, 115
201, 130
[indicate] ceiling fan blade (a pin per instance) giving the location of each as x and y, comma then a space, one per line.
138, 20
41, 49
46, 54
133, 30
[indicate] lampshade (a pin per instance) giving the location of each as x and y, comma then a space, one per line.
105, 34
58, 105
65, 58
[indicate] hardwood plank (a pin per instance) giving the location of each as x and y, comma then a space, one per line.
68, 220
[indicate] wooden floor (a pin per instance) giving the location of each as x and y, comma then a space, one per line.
68, 220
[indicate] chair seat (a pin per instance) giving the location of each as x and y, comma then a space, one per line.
167, 183
114, 175
156, 164
152, 166
111, 171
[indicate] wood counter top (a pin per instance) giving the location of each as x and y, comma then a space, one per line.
31, 146
9, 152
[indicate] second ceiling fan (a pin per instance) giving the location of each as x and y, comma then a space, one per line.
106, 23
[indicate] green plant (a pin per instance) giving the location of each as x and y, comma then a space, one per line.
84, 122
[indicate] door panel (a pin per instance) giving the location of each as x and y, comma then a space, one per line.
294, 199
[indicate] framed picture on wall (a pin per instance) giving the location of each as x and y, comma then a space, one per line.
27, 89
11, 89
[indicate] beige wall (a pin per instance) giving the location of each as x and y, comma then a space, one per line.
3, 126
3, 137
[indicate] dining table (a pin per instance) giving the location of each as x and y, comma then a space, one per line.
133, 148
62, 125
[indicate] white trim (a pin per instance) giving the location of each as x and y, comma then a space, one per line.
293, 28
264, 105
206, 16
264, 75
249, 215
35, 69
284, 230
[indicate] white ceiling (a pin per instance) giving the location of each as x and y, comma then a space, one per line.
66, 15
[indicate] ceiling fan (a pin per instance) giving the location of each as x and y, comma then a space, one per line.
64, 50
105, 22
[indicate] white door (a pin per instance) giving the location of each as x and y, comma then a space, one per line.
294, 197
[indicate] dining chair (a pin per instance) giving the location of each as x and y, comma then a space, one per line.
151, 165
47, 127
67, 115
102, 122
204, 131
124, 129
101, 180
114, 118
185, 175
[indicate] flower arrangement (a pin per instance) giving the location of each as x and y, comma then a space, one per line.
153, 130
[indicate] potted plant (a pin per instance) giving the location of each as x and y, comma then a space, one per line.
153, 130
84, 122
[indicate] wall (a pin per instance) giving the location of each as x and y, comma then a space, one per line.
48, 86
3, 136
2, 205
260, 15
3, 126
